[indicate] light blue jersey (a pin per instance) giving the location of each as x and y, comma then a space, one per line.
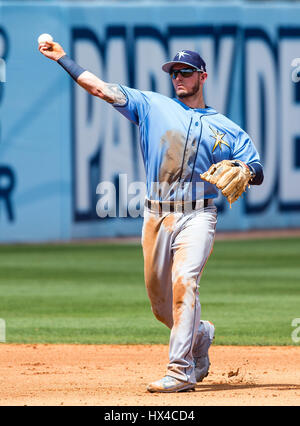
179, 143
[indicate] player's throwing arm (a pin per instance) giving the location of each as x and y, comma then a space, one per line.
110, 93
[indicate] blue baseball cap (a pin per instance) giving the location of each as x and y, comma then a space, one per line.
187, 57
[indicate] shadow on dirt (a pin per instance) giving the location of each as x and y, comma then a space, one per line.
236, 386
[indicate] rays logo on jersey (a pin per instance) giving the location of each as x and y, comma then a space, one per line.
219, 138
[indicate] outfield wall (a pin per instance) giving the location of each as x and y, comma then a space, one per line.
57, 142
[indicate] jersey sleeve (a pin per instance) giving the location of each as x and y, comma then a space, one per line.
245, 151
137, 105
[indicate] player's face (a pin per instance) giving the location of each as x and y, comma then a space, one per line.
187, 86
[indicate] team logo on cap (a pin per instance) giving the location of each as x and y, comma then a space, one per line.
181, 54
219, 139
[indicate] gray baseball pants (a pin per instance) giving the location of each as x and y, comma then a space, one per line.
176, 247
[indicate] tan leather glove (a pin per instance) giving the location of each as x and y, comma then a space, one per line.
231, 176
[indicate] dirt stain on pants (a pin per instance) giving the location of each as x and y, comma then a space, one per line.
176, 247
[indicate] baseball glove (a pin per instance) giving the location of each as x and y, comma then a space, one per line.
231, 176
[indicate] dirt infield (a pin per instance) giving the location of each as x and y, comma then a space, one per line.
118, 375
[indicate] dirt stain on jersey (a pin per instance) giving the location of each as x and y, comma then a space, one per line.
173, 143
178, 159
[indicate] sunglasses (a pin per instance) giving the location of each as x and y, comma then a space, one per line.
184, 72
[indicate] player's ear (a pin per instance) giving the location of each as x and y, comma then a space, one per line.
203, 77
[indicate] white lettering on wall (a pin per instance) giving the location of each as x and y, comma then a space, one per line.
290, 124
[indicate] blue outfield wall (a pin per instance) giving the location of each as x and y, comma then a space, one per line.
58, 142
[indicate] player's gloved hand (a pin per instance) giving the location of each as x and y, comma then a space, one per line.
51, 50
231, 176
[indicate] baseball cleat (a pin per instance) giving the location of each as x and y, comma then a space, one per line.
170, 384
201, 358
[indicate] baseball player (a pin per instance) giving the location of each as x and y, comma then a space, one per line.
189, 151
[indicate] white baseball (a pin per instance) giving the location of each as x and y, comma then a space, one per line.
45, 37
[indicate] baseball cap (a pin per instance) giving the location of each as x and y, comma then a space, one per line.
187, 57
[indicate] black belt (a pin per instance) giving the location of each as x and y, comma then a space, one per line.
172, 206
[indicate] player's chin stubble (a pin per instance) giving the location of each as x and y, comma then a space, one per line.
190, 92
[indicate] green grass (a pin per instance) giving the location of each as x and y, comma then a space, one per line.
81, 293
